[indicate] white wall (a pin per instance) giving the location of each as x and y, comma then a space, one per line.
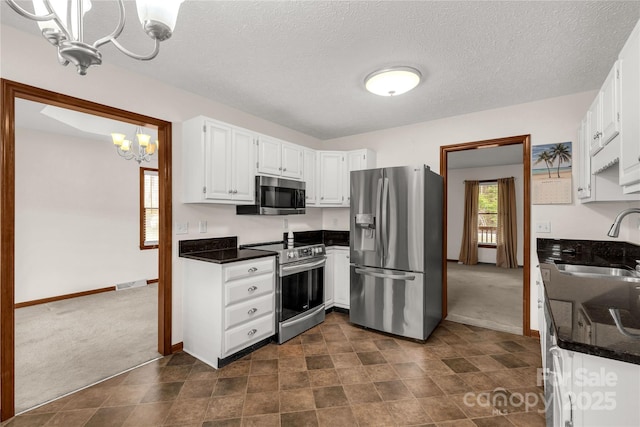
547, 121
77, 217
114, 87
455, 208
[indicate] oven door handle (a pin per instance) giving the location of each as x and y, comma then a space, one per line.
306, 316
297, 268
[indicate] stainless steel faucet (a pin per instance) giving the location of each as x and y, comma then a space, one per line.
615, 228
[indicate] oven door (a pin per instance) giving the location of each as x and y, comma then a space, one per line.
301, 287
301, 297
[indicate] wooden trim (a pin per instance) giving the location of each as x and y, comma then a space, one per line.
150, 281
535, 334
445, 195
10, 91
176, 347
483, 245
452, 260
63, 297
525, 140
7, 256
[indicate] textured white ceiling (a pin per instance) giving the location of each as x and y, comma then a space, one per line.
302, 63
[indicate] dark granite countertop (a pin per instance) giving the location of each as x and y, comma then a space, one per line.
579, 306
327, 237
220, 250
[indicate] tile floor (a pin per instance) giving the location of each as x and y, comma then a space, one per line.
335, 374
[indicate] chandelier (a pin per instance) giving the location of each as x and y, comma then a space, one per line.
62, 24
139, 150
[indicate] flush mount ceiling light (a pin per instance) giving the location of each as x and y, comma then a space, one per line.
392, 81
62, 24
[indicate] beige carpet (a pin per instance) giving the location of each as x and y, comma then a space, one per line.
66, 345
485, 295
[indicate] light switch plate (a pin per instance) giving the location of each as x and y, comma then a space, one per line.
543, 226
182, 228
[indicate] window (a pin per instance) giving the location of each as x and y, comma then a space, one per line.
487, 213
149, 208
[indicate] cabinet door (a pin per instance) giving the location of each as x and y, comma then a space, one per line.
291, 161
242, 180
610, 99
595, 120
331, 189
584, 161
269, 156
630, 109
341, 288
217, 159
328, 278
309, 175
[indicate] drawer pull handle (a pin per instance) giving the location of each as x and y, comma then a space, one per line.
252, 332
252, 289
252, 270
253, 310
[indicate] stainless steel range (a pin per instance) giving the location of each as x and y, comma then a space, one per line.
299, 286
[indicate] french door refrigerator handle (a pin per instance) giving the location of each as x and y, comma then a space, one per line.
385, 218
385, 276
378, 228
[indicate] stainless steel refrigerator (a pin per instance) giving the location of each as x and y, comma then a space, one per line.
396, 250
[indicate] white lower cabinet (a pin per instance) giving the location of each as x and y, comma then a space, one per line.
336, 282
588, 391
227, 307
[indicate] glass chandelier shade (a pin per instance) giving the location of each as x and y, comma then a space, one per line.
62, 24
140, 150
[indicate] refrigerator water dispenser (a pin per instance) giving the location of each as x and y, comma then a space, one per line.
366, 234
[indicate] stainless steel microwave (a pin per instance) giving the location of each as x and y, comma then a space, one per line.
276, 196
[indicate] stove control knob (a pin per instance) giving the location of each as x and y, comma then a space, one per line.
291, 254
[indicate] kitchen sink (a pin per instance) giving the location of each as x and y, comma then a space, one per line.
594, 271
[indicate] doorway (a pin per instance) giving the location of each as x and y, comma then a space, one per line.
524, 142
10, 92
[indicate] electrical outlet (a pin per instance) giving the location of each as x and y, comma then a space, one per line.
543, 226
182, 228
285, 224
202, 226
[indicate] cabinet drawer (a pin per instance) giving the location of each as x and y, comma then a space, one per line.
248, 268
244, 335
248, 288
248, 310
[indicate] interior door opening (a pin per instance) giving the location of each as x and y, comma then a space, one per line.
521, 151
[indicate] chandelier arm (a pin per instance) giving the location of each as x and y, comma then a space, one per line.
126, 155
30, 15
51, 16
136, 56
116, 33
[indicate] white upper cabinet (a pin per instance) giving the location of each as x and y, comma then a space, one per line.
279, 158
610, 110
331, 174
584, 161
595, 125
218, 162
309, 175
629, 63
269, 156
243, 170
334, 172
356, 160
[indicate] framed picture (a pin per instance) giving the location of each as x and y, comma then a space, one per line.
551, 174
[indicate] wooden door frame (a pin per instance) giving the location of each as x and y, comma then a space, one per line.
10, 91
525, 140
